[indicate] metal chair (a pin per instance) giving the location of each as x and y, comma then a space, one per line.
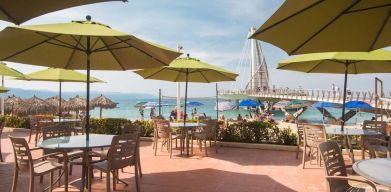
134, 129
122, 153
300, 137
209, 132
25, 163
33, 125
164, 132
336, 174
313, 135
1, 132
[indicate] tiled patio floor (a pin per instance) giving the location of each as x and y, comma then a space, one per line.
232, 169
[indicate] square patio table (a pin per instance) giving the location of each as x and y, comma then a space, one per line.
186, 127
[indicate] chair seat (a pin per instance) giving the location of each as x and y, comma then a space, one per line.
102, 153
103, 165
46, 166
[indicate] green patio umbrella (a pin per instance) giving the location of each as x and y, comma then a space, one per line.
315, 26
7, 71
59, 75
19, 11
378, 61
87, 45
188, 69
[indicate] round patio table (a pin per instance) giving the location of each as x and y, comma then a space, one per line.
185, 128
78, 142
347, 133
376, 170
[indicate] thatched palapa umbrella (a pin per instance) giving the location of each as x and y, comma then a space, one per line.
76, 103
55, 100
12, 103
103, 103
39, 106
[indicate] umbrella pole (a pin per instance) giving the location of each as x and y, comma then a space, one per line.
344, 95
160, 102
217, 103
59, 105
100, 112
88, 52
184, 115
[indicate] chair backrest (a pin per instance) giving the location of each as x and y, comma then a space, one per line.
379, 126
210, 128
1, 127
56, 131
33, 121
122, 151
300, 130
163, 129
314, 134
22, 154
334, 163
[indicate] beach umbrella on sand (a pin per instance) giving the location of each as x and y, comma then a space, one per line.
358, 105
76, 103
300, 27
188, 69
59, 75
341, 63
103, 103
225, 106
13, 102
80, 45
19, 11
297, 104
249, 103
55, 100
39, 106
194, 104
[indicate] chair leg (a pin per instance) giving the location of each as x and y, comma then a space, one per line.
40, 179
297, 150
156, 145
15, 181
136, 177
139, 162
191, 151
70, 168
206, 150
114, 180
304, 155
108, 181
51, 181
216, 145
170, 146
31, 184
31, 132
1, 156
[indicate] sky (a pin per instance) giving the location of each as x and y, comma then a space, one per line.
214, 31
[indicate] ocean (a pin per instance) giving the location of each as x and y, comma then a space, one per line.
126, 109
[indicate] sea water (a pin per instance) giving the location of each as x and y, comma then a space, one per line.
125, 109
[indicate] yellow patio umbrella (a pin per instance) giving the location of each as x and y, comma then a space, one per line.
19, 11
188, 69
59, 75
80, 45
378, 61
315, 26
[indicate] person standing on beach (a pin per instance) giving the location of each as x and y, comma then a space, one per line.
141, 110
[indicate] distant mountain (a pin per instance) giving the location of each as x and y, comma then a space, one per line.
27, 93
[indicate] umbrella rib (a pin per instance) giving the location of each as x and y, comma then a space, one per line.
233, 79
380, 31
177, 77
32, 46
369, 8
146, 53
96, 41
147, 77
73, 52
81, 45
290, 16
67, 45
9, 16
323, 28
112, 53
106, 47
204, 77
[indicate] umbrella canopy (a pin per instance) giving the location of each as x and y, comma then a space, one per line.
39, 106
140, 104
249, 103
3, 89
58, 75
340, 62
324, 26
76, 103
7, 71
103, 102
281, 104
358, 105
13, 102
190, 70
323, 104
81, 45
54, 100
194, 104
19, 11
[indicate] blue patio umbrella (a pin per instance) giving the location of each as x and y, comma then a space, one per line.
322, 104
358, 105
194, 103
249, 103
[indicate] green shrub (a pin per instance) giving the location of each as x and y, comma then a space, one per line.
257, 132
15, 121
147, 128
107, 125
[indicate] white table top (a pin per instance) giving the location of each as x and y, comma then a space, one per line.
376, 170
77, 142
